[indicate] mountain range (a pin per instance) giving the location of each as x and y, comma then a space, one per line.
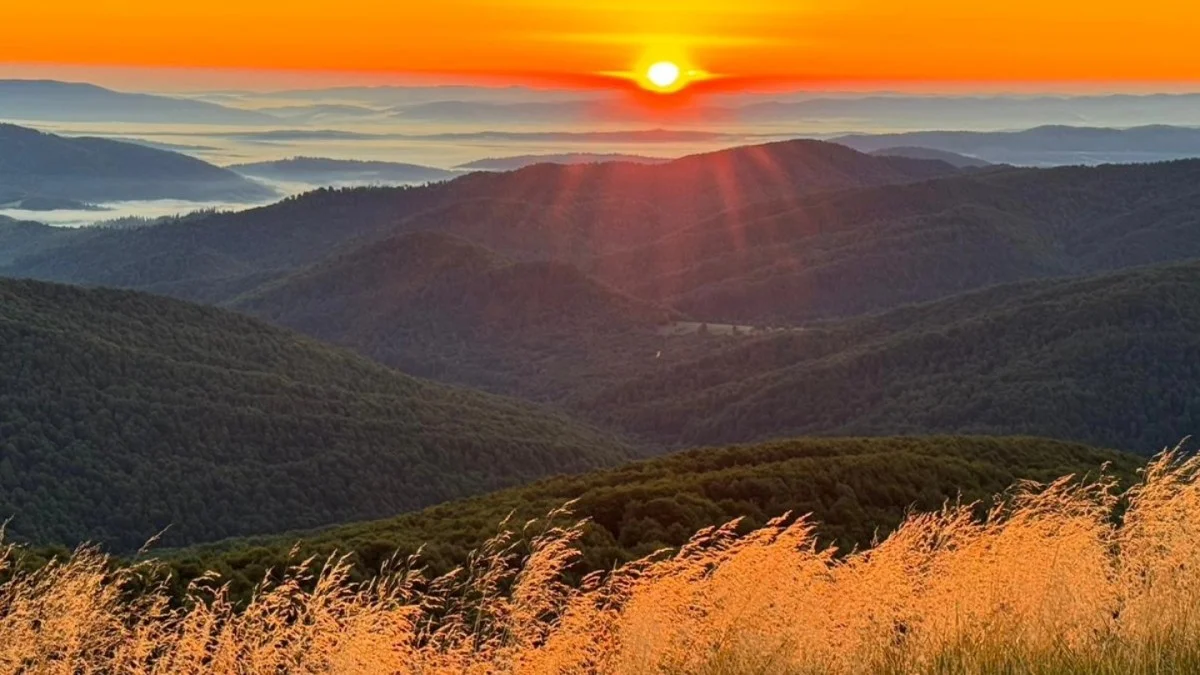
1047, 145
53, 101
540, 212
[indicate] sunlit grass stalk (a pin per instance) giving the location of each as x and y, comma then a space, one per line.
1069, 577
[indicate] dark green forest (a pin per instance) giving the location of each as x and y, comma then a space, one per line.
856, 488
438, 306
1111, 360
124, 413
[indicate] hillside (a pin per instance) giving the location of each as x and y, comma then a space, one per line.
125, 413
873, 249
437, 306
323, 171
49, 100
855, 487
1110, 360
544, 211
37, 164
19, 237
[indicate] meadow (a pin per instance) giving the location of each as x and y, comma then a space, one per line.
1074, 576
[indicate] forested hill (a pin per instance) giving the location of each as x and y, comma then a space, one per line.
545, 211
438, 306
856, 488
917, 152
18, 237
37, 164
791, 255
124, 413
1112, 360
851, 252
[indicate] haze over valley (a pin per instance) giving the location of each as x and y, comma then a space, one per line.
448, 130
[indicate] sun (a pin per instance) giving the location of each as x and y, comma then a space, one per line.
662, 70
663, 74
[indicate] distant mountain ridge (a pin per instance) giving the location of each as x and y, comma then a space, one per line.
320, 170
42, 165
1048, 145
521, 161
50, 100
540, 212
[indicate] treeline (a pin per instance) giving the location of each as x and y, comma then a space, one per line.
857, 488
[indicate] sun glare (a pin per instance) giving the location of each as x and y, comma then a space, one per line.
663, 74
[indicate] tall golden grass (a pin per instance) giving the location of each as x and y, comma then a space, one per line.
1070, 577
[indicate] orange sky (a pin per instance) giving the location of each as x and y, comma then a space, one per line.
795, 41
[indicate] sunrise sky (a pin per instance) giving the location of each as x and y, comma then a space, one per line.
739, 43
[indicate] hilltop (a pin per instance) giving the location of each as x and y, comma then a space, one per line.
439, 306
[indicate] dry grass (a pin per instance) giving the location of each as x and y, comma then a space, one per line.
1049, 583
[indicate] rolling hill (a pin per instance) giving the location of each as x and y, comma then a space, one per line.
438, 306
42, 165
18, 237
124, 413
1109, 360
855, 487
872, 249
